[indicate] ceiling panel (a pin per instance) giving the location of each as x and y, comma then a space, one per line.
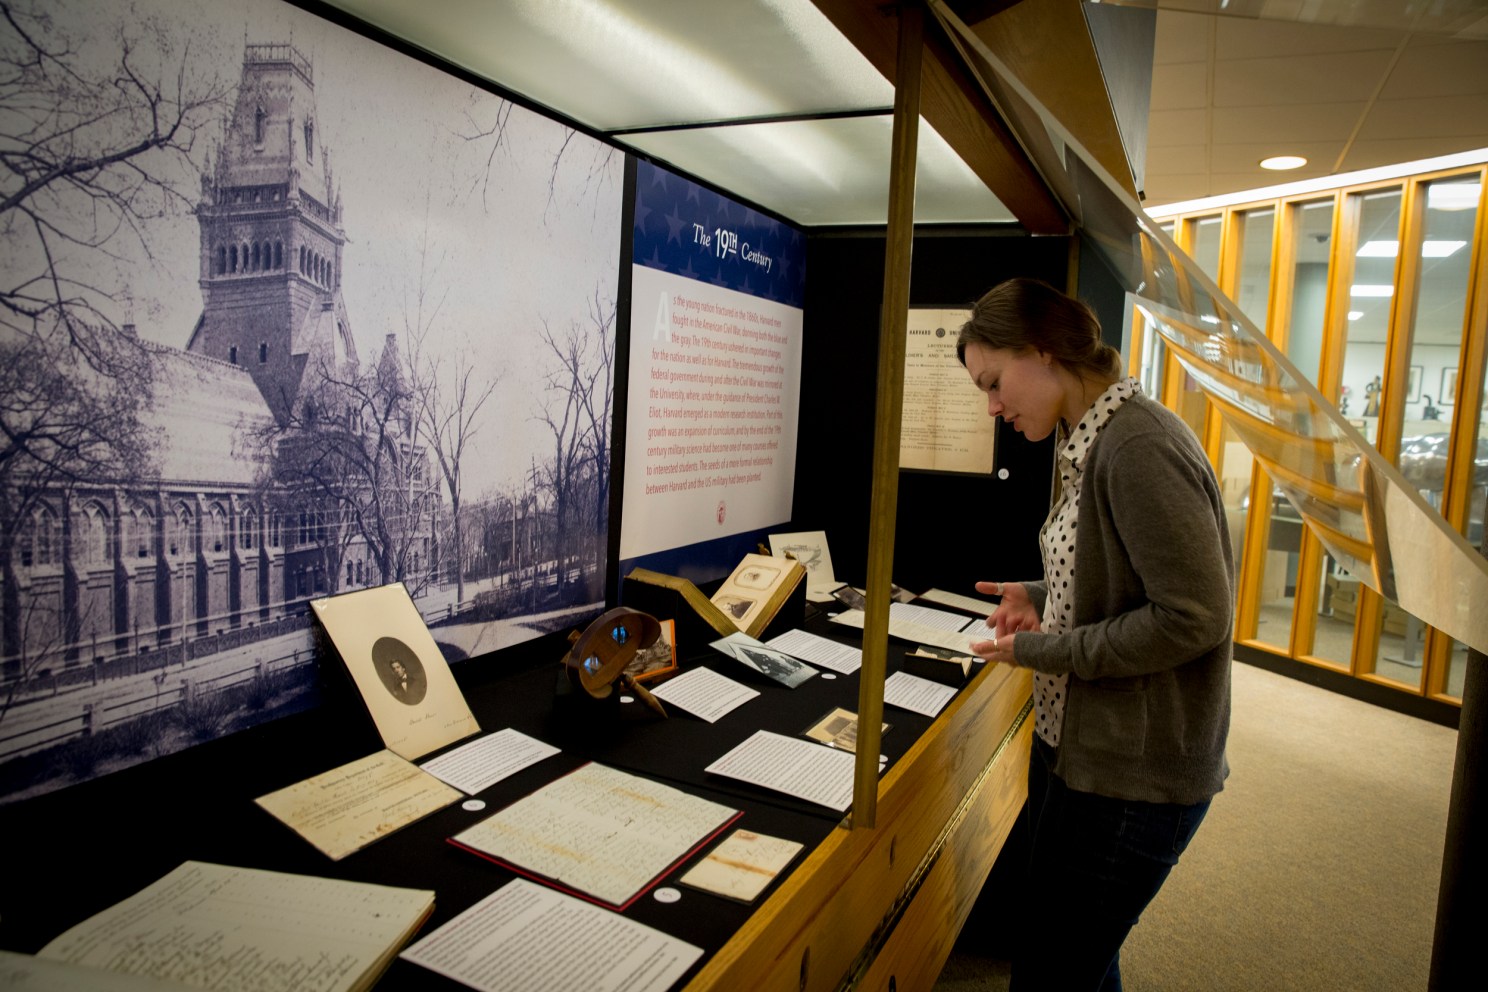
838, 170
1337, 77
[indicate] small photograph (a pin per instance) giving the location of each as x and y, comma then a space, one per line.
735, 606
850, 598
838, 729
757, 577
765, 660
400, 670
657, 660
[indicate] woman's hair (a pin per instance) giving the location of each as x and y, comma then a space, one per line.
1025, 313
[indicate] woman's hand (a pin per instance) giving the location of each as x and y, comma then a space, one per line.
1015, 613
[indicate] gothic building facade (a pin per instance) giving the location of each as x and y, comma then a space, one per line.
211, 548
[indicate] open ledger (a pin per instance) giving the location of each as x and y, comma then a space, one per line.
526, 938
599, 833
218, 927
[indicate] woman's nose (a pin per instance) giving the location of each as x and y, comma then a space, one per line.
994, 406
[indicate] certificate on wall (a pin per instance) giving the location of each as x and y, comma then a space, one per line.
945, 427
398, 669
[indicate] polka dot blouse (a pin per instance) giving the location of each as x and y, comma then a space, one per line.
1057, 540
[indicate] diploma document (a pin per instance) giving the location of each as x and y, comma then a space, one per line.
599, 832
525, 938
347, 808
241, 930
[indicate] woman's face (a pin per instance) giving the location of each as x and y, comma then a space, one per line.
1022, 387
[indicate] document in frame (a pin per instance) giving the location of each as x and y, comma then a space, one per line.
347, 808
598, 833
528, 938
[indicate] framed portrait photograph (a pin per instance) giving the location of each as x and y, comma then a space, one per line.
398, 669
1448, 387
1413, 387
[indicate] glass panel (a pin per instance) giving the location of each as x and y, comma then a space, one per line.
1441, 308
1278, 587
1358, 505
1304, 329
1254, 289
1338, 605
1205, 249
1368, 331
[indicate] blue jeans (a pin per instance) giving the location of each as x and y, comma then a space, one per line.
1094, 864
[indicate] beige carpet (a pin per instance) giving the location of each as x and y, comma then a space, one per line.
1317, 868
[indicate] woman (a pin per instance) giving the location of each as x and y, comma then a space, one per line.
1128, 633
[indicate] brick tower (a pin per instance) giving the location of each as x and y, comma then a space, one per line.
271, 236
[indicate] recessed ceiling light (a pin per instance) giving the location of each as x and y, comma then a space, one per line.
1280, 163
1453, 196
1429, 249
1355, 314
1440, 249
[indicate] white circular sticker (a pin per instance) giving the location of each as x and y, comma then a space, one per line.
1002, 473
473, 805
667, 894
828, 675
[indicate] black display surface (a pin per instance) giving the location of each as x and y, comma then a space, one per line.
86, 848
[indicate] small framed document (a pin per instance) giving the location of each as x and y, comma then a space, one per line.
945, 427
397, 668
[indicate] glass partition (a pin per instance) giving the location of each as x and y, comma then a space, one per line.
1370, 519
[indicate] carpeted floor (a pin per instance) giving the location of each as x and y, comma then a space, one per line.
1317, 868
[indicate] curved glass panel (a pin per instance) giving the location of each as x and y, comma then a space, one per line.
1368, 517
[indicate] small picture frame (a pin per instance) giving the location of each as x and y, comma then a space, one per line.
1448, 387
658, 661
1413, 388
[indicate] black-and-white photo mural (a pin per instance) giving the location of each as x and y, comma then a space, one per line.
284, 313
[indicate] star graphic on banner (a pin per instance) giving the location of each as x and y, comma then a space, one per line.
688, 271
674, 226
655, 262
720, 280
692, 193
641, 213
658, 178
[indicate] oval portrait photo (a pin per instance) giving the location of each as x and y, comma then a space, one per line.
400, 670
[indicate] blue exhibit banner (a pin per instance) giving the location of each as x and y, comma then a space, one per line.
714, 379
690, 231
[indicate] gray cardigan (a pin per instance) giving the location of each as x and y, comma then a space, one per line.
1148, 705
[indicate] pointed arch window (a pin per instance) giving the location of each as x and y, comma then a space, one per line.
263, 353
214, 528
249, 525
141, 536
278, 254
259, 117
234, 258
178, 534
39, 540
93, 535
221, 260
309, 140
232, 354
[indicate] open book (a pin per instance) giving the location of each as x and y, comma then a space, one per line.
213, 926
